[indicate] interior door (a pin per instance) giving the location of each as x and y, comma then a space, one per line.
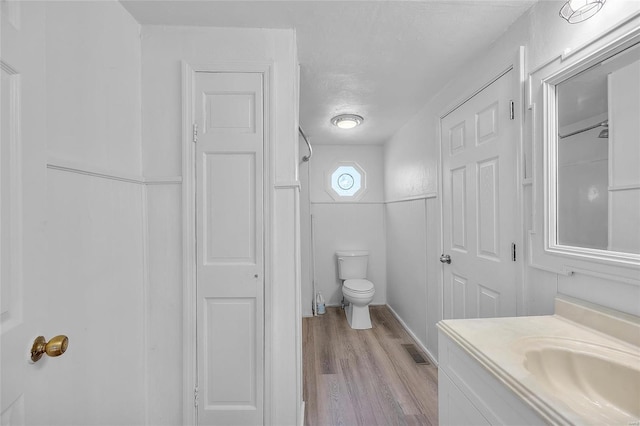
22, 211
11, 283
230, 253
480, 208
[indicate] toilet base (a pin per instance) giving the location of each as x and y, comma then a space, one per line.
358, 316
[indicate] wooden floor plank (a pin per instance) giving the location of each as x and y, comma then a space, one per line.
397, 395
361, 392
365, 377
325, 359
413, 394
309, 371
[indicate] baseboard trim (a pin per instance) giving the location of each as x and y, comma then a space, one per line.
302, 408
432, 359
338, 305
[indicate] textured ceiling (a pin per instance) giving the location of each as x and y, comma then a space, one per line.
379, 59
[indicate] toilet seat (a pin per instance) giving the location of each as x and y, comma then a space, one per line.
358, 285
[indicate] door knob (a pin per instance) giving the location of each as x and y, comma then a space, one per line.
54, 347
445, 258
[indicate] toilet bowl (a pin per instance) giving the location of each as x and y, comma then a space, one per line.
358, 292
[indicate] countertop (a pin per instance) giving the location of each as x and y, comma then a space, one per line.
498, 345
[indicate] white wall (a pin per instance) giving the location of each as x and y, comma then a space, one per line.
95, 224
102, 207
306, 266
93, 85
411, 184
326, 157
413, 268
94, 232
163, 49
407, 263
411, 157
346, 224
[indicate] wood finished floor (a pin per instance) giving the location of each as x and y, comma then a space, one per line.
364, 377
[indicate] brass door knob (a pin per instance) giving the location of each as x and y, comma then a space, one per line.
54, 347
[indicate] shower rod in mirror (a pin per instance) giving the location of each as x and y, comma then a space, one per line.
604, 124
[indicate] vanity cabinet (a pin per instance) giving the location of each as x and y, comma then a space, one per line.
468, 394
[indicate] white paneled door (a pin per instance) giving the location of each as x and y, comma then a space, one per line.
23, 308
13, 324
230, 253
480, 205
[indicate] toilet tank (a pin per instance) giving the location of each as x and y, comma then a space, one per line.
352, 264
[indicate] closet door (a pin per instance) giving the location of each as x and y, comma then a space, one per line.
230, 252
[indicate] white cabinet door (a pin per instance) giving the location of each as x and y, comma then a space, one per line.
454, 408
470, 394
480, 209
230, 252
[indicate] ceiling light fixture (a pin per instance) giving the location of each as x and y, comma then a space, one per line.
347, 121
575, 11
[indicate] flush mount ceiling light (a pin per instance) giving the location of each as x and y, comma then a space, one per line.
575, 11
347, 121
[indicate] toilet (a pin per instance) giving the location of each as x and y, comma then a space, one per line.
356, 289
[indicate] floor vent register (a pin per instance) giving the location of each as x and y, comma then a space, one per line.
415, 354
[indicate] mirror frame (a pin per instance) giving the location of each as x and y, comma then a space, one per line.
545, 252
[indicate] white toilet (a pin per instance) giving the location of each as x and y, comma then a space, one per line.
356, 289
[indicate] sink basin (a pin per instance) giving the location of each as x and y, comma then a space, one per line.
600, 383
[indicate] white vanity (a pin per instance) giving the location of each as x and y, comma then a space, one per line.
579, 366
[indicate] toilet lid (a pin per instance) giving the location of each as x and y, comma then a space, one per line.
359, 285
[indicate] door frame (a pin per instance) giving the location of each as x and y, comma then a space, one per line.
516, 63
189, 340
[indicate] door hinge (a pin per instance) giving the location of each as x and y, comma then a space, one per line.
513, 251
512, 110
195, 132
195, 396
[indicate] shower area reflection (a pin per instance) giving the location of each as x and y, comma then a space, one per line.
583, 157
597, 155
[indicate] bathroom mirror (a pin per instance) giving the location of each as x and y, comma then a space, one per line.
586, 144
598, 156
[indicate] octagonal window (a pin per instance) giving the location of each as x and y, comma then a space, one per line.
346, 181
